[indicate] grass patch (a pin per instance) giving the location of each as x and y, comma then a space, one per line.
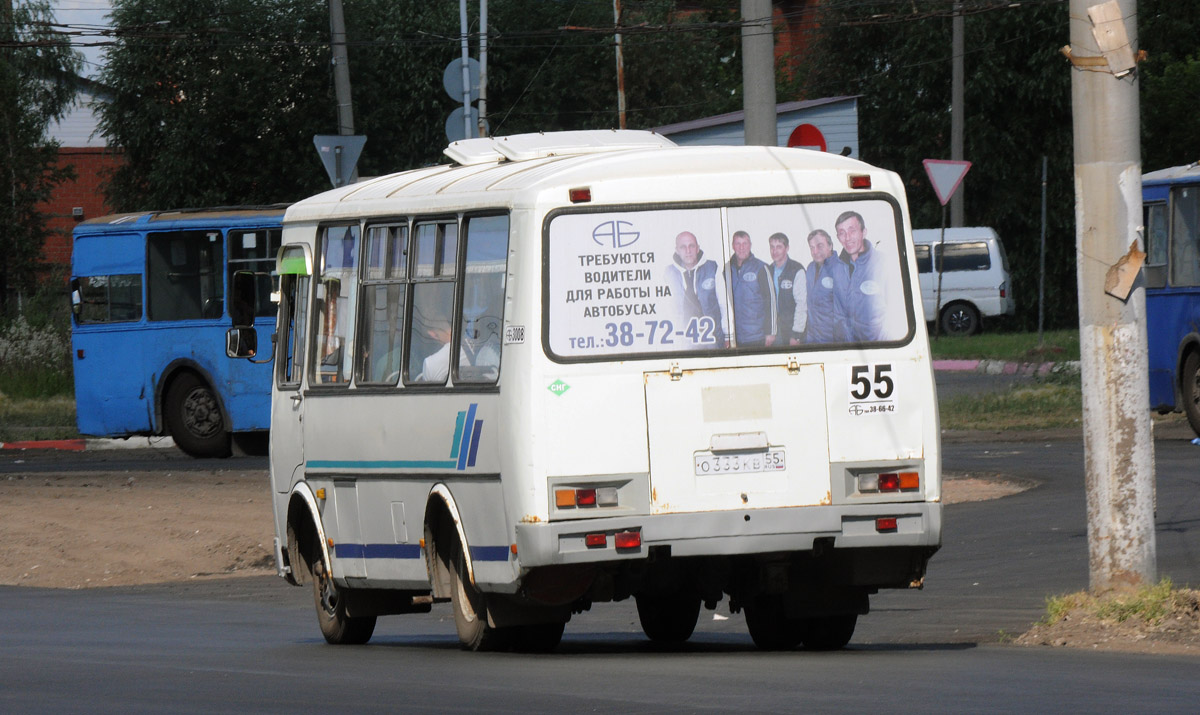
44, 418
1149, 604
1052, 403
1059, 345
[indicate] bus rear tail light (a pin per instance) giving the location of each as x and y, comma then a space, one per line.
596, 540
628, 539
885, 523
889, 482
571, 498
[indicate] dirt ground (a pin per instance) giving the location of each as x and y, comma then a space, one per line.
122, 528
119, 529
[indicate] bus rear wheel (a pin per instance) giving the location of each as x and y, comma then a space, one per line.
470, 611
1189, 390
669, 618
193, 417
770, 626
829, 632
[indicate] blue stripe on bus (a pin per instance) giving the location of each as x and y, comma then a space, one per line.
489, 553
458, 430
377, 551
464, 448
381, 464
475, 442
410, 551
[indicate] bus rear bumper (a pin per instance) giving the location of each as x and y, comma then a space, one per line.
729, 533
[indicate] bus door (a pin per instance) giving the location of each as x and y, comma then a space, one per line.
287, 409
113, 393
737, 438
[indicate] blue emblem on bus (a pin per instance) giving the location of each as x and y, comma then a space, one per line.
617, 234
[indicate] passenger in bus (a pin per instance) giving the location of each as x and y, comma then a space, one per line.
827, 282
476, 350
753, 291
790, 292
693, 282
866, 299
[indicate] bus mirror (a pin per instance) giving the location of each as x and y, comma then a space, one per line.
243, 298
241, 342
76, 298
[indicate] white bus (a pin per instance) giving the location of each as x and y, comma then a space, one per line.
582, 367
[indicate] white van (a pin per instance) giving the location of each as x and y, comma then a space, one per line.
975, 279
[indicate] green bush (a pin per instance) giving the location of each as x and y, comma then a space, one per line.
35, 359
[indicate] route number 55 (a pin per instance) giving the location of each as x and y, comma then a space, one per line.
861, 383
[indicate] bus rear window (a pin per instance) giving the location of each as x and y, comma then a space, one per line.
762, 277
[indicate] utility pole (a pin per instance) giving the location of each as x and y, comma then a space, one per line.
956, 108
1118, 450
620, 65
341, 68
758, 73
483, 21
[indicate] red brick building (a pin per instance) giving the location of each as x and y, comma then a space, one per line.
81, 147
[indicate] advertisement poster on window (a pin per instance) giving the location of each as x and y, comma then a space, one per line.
780, 276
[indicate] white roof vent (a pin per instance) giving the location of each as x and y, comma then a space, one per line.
523, 147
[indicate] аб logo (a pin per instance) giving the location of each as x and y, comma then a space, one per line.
558, 387
617, 234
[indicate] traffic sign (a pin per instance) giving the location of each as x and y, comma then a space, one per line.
454, 124
807, 136
945, 176
339, 153
452, 79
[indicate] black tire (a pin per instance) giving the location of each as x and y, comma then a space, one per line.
193, 417
536, 638
829, 632
1189, 390
769, 626
336, 626
668, 618
960, 320
470, 612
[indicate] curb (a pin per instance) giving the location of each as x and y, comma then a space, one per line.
91, 445
1003, 367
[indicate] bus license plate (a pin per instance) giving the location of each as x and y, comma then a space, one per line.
769, 461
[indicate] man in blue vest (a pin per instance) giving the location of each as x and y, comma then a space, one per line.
866, 300
790, 293
693, 283
828, 282
753, 291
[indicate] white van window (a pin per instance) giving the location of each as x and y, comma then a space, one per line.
924, 260
971, 256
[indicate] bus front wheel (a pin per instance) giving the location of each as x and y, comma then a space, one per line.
193, 418
336, 626
1189, 390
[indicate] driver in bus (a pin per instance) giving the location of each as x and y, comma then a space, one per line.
477, 350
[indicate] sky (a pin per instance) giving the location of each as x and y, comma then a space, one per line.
85, 16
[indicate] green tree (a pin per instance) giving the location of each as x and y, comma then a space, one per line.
1170, 82
37, 68
896, 57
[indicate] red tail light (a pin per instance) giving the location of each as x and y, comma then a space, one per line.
628, 539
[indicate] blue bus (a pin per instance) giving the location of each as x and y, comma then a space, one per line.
149, 320
1171, 217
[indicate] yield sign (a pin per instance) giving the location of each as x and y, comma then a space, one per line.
945, 176
339, 154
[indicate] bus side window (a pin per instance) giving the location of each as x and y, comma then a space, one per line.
381, 333
107, 299
430, 335
1155, 221
185, 275
483, 299
336, 294
293, 291
1185, 236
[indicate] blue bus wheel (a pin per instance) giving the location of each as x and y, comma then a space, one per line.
193, 418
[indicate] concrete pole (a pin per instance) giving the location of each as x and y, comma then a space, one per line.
758, 73
483, 25
957, 109
341, 68
1118, 451
465, 44
621, 124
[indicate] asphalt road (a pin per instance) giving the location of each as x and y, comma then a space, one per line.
252, 644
